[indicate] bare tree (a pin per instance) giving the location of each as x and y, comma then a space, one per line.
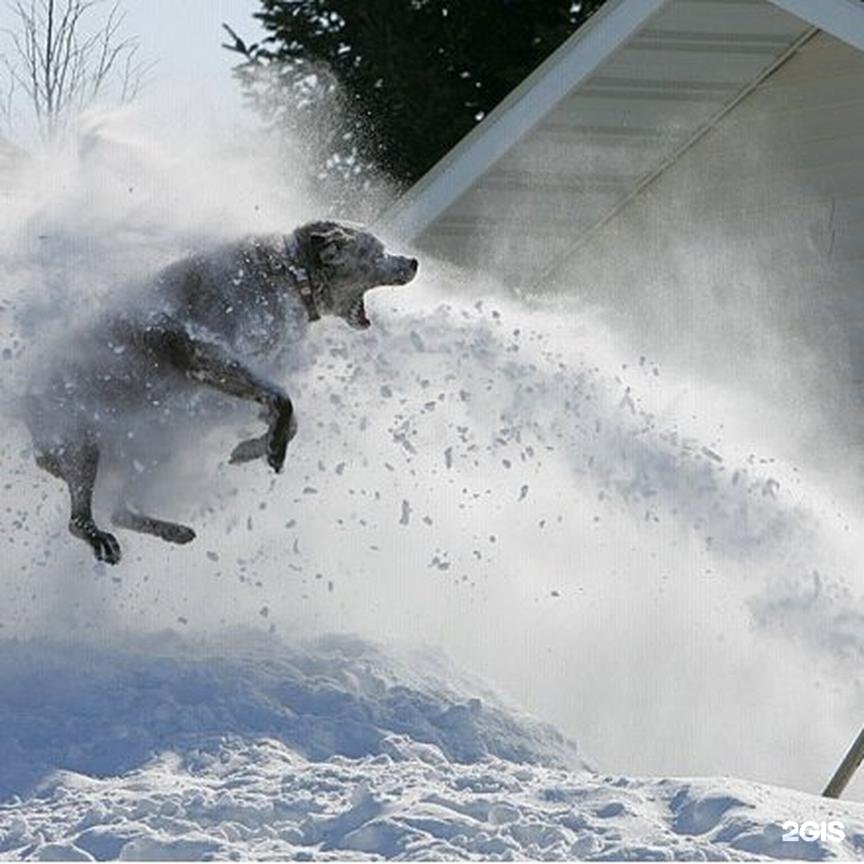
61, 58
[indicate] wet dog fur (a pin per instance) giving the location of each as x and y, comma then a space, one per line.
215, 320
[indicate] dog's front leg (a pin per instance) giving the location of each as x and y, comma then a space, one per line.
215, 366
254, 448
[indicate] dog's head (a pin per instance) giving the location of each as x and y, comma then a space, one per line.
346, 262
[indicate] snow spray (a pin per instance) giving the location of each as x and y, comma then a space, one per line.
497, 477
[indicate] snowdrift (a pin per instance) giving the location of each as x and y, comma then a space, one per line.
621, 545
100, 709
166, 748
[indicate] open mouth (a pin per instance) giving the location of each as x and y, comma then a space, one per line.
409, 270
357, 316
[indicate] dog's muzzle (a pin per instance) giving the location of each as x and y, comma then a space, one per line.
406, 270
400, 272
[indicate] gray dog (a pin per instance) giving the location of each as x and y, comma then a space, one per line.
217, 319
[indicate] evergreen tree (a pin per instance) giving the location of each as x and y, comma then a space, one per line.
394, 84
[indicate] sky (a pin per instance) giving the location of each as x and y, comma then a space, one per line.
182, 39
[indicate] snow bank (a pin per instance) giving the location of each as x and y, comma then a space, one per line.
336, 749
263, 801
101, 710
493, 477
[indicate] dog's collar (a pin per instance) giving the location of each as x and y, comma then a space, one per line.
300, 275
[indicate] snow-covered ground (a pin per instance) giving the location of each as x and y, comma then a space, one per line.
621, 547
166, 748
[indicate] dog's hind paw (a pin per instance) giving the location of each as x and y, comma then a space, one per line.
174, 533
247, 451
105, 547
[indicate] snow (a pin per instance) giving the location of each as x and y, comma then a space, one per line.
97, 708
253, 748
528, 520
621, 549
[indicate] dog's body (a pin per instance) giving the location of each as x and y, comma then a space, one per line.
220, 320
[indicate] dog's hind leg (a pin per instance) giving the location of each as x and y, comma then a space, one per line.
47, 461
127, 516
77, 463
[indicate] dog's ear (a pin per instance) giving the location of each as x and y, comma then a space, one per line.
329, 244
335, 235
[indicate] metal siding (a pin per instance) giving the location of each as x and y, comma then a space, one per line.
543, 157
796, 138
668, 115
637, 68
677, 72
818, 58
834, 90
722, 17
765, 213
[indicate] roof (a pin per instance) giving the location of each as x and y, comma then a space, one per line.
603, 116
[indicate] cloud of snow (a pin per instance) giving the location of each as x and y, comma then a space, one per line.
499, 478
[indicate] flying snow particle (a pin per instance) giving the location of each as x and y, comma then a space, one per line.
406, 512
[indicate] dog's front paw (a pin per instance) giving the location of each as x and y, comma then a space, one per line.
276, 453
248, 450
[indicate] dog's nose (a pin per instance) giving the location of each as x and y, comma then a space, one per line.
414, 264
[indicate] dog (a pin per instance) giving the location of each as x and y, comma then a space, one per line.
216, 320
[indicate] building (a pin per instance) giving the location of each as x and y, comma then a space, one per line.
694, 170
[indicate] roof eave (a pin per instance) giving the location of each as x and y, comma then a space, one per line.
606, 31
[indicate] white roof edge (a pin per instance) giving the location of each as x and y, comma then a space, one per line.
603, 33
843, 19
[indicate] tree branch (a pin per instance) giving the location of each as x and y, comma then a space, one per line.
58, 69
